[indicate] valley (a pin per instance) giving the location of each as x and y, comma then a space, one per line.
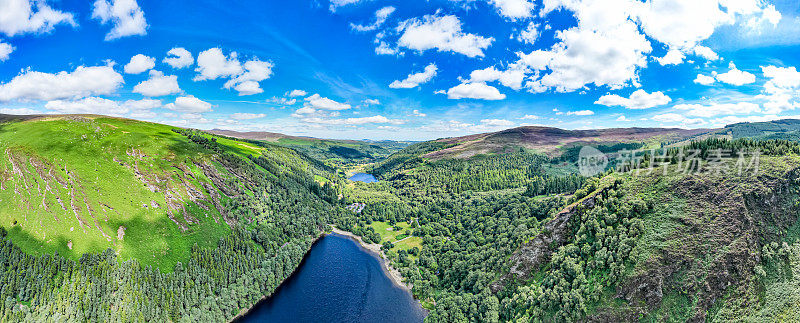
166, 224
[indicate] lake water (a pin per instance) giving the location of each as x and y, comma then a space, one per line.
339, 281
363, 177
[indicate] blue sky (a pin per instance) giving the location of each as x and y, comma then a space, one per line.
403, 69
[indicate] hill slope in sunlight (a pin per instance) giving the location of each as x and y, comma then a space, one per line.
80, 184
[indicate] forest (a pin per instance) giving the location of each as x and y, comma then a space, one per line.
473, 220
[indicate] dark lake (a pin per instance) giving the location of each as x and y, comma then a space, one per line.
339, 281
363, 177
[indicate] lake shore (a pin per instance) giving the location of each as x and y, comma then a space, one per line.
375, 249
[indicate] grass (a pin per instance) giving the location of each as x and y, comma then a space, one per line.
78, 162
384, 229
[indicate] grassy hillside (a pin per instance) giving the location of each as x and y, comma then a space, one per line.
106, 219
82, 184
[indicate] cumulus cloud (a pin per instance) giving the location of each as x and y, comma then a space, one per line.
126, 16
639, 99
414, 80
603, 52
189, 104
511, 77
704, 79
29, 16
5, 51
82, 82
317, 102
514, 9
530, 34
706, 53
442, 33
736, 77
782, 89
296, 93
179, 57
478, 90
247, 83
716, 109
610, 43
380, 17
158, 85
247, 116
673, 57
580, 113
96, 105
140, 63
213, 64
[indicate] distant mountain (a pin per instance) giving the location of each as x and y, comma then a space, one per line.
333, 151
550, 141
779, 129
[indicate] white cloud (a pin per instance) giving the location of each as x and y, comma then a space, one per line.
83, 82
5, 51
158, 85
623, 119
497, 122
673, 57
372, 102
706, 53
530, 117
477, 90
247, 116
247, 82
639, 99
179, 57
126, 16
684, 24
28, 16
782, 90
605, 49
736, 76
414, 80
18, 111
580, 113
318, 102
530, 34
213, 64
716, 109
189, 104
96, 105
296, 93
353, 121
340, 3
380, 17
417, 113
442, 33
514, 9
511, 77
704, 79
139, 63
677, 118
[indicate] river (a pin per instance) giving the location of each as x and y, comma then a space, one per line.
339, 281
